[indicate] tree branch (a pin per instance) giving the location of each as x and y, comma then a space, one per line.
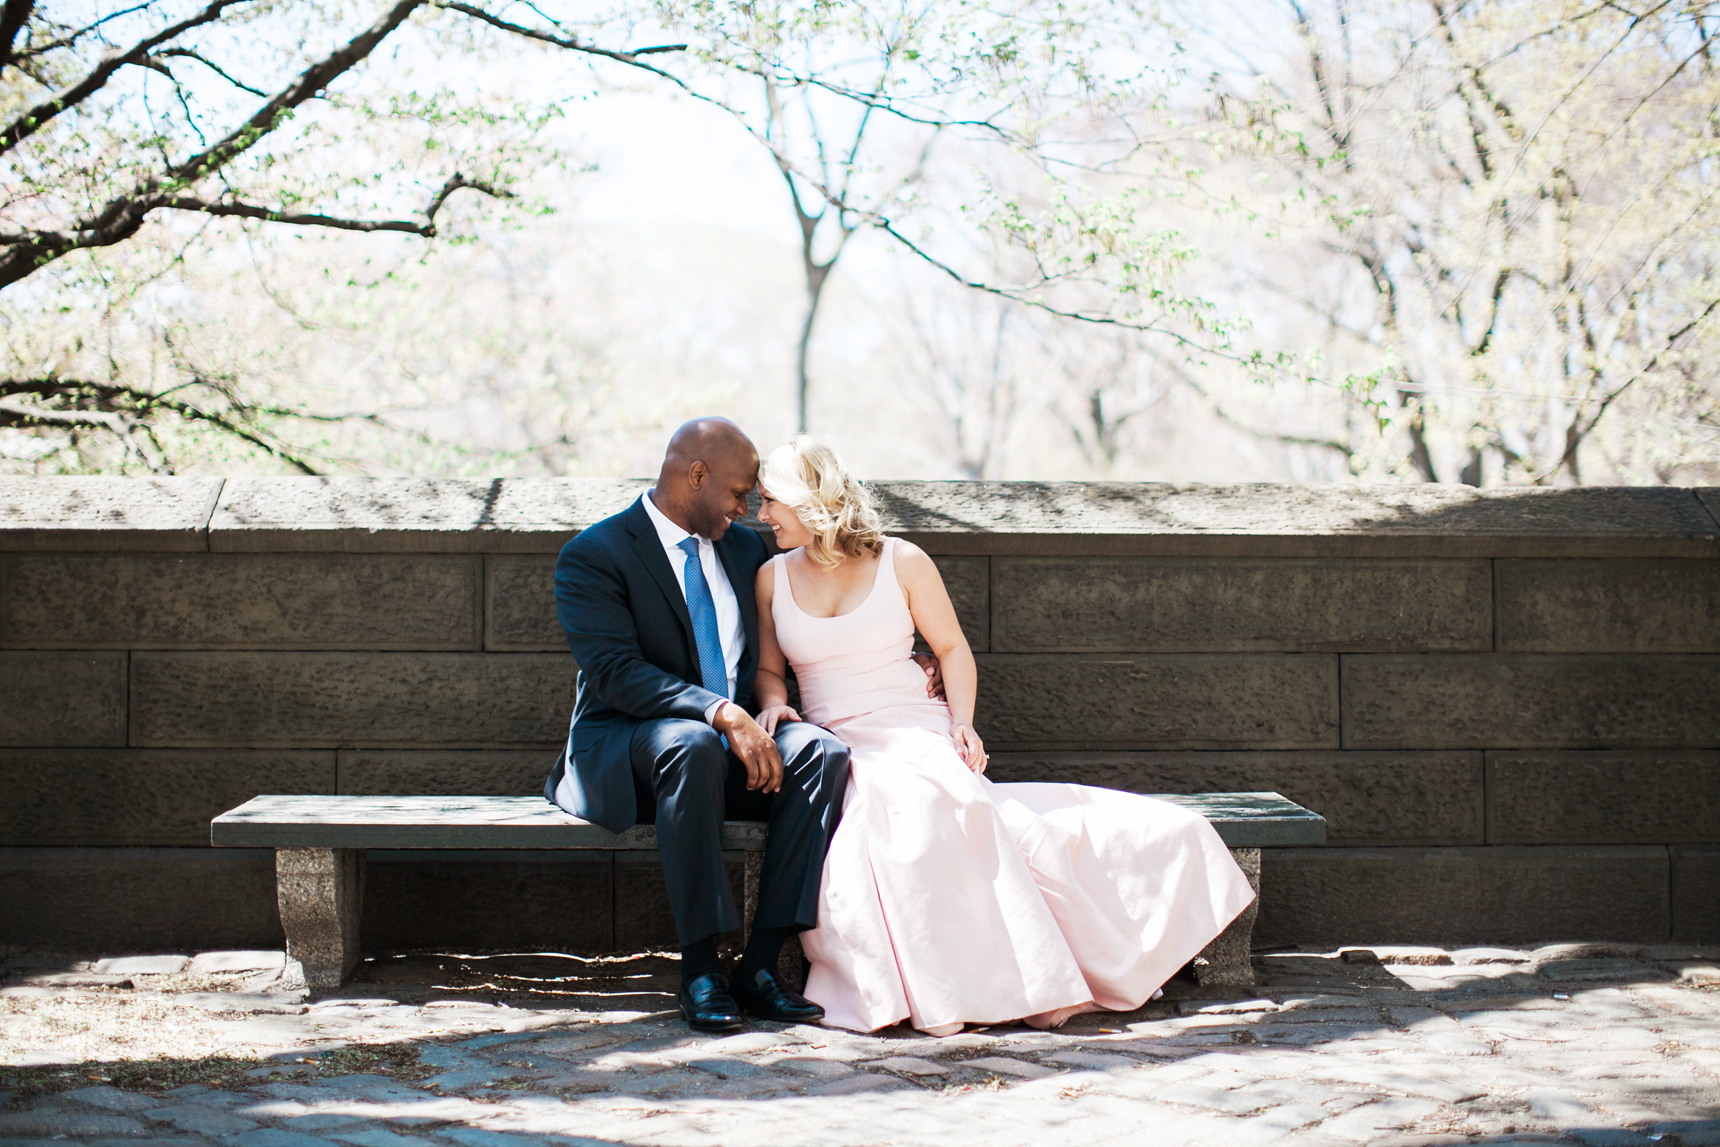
426, 229
188, 54
104, 404
568, 42
31, 121
1576, 437
13, 16
933, 261
121, 217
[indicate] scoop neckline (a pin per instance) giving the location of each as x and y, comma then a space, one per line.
877, 576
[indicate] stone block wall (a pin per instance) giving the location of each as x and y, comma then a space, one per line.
1505, 703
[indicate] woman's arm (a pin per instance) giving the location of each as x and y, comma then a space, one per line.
770, 692
935, 618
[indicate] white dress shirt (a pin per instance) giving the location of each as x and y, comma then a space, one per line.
729, 626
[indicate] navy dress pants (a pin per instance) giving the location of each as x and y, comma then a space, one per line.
693, 783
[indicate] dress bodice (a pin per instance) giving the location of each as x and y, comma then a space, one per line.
855, 663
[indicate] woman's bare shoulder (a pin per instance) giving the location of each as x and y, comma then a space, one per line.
764, 581
911, 558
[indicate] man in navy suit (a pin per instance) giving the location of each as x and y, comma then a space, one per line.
657, 603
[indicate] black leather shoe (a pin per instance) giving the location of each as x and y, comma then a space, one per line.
707, 1004
767, 998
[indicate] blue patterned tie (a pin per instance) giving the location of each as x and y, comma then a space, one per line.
703, 609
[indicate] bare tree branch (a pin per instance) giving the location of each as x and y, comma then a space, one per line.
188, 54
105, 404
31, 121
426, 229
13, 16
572, 44
121, 217
1016, 295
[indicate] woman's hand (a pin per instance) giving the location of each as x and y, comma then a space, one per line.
971, 748
771, 714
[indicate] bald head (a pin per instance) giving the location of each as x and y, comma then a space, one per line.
710, 467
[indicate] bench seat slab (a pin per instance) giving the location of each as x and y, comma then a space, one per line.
1243, 820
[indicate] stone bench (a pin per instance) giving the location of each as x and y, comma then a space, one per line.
320, 842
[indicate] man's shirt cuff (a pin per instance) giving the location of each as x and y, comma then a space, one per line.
711, 710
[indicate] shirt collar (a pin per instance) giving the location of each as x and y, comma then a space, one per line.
672, 535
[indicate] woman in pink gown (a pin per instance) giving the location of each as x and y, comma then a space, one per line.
947, 899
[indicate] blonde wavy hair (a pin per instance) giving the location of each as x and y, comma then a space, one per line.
809, 478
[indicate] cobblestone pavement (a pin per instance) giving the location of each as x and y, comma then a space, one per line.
1591, 1044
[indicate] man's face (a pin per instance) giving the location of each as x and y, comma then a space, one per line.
721, 493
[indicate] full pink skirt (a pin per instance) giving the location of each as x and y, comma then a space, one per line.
949, 900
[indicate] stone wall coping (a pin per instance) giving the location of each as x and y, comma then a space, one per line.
537, 515
107, 514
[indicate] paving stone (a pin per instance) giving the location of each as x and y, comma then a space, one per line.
1365, 1124
1609, 1137
859, 1082
1400, 1082
748, 1042
1587, 971
274, 1137
211, 963
449, 1058
912, 1065
1099, 1061
111, 1099
1326, 1016
1464, 957
1283, 1119
262, 1003
322, 1121
202, 1120
497, 1039
63, 1125
1227, 1007
725, 1068
819, 1068
1697, 972
143, 965
377, 1137
479, 1137
1548, 1103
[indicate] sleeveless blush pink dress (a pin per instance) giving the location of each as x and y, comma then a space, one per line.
949, 900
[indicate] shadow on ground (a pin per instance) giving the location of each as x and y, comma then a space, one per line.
511, 1049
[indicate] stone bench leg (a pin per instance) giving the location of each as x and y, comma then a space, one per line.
320, 892
791, 968
1226, 962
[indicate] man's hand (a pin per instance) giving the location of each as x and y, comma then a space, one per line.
934, 674
752, 745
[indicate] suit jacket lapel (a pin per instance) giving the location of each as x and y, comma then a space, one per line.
730, 552
649, 547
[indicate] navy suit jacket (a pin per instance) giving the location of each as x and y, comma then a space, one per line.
627, 624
